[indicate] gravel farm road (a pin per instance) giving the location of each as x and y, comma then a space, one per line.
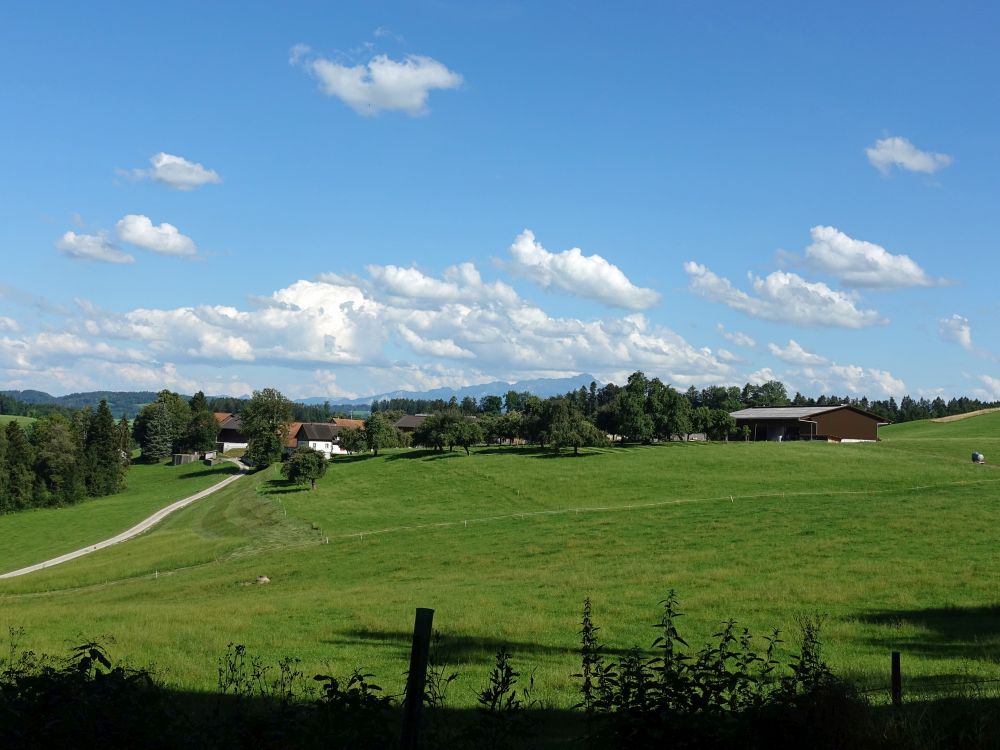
140, 527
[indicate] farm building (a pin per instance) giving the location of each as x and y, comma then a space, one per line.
846, 424
230, 432
410, 422
321, 436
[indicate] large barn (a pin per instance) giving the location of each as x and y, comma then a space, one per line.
846, 424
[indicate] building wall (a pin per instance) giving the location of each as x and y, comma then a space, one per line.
845, 423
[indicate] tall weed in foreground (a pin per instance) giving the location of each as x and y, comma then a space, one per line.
725, 694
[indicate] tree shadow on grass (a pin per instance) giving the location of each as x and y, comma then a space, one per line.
568, 453
971, 633
221, 473
353, 458
425, 454
282, 487
454, 647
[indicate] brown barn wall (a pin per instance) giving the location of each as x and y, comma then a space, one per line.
845, 423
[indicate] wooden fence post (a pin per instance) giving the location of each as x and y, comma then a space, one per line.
416, 678
897, 680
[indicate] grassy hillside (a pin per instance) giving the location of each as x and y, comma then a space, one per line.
893, 543
35, 535
23, 421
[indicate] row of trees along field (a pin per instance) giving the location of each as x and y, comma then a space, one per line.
732, 398
62, 458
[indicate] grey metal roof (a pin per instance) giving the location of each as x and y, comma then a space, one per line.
782, 412
317, 431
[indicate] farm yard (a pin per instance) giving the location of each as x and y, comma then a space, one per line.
892, 545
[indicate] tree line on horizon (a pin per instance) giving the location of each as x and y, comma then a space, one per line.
731, 398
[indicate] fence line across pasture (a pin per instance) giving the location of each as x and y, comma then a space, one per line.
576, 510
253, 551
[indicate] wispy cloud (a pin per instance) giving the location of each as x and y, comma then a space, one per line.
899, 152
175, 171
96, 247
736, 337
785, 297
795, 354
956, 329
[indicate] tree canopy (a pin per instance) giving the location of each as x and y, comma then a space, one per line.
265, 419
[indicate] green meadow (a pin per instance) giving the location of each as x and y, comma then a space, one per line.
892, 544
39, 534
23, 421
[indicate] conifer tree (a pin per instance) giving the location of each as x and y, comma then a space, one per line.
154, 432
58, 469
106, 467
18, 468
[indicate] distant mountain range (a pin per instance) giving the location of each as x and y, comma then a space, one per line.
541, 387
130, 402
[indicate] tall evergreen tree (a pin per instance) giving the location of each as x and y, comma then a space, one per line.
154, 432
19, 470
105, 465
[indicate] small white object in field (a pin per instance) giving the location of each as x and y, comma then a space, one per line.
263, 579
978, 458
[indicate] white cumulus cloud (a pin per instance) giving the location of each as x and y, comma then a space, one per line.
176, 172
588, 276
140, 231
9, 324
382, 84
795, 354
862, 264
957, 330
899, 152
92, 247
784, 297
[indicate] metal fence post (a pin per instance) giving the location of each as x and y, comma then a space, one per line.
416, 678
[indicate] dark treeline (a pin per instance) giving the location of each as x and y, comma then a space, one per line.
39, 403
60, 459
14, 407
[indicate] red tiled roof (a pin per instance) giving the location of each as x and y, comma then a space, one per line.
293, 431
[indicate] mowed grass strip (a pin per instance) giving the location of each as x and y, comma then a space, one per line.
893, 542
32, 536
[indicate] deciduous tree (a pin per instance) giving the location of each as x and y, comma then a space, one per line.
265, 420
304, 466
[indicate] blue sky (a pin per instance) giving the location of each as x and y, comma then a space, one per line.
340, 199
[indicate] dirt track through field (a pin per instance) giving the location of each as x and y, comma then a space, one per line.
139, 528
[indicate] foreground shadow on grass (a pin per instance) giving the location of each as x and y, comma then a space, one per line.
140, 714
971, 633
